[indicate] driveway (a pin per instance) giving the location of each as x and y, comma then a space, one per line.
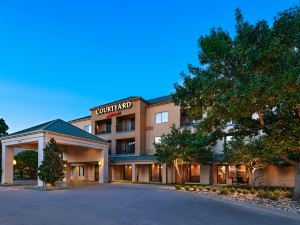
123, 204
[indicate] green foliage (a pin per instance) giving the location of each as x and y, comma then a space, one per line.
239, 190
214, 189
3, 132
208, 188
261, 194
251, 78
272, 196
224, 191
195, 188
181, 144
52, 167
177, 187
245, 191
232, 190
187, 188
200, 188
181, 147
288, 194
27, 164
253, 191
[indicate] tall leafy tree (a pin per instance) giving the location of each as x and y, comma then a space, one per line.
27, 164
181, 147
251, 78
3, 132
52, 168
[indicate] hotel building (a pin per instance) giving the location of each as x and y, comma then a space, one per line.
116, 142
132, 125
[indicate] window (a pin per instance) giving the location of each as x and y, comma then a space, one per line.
125, 146
157, 140
88, 128
81, 171
161, 117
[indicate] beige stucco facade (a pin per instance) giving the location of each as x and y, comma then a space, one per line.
137, 166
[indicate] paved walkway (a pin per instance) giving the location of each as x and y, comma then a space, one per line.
123, 204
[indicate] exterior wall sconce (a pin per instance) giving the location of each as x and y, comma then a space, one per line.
100, 163
14, 162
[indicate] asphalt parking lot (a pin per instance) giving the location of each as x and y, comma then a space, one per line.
129, 204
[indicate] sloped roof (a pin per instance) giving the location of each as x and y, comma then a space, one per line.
62, 127
79, 119
130, 158
159, 100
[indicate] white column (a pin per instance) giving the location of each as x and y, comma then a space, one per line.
65, 178
205, 174
41, 146
7, 164
164, 173
103, 169
133, 172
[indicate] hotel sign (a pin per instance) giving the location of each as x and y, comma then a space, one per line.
114, 108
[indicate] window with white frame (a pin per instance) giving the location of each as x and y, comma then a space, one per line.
88, 128
161, 117
157, 140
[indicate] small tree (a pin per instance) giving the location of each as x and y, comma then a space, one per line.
181, 148
27, 164
3, 132
52, 168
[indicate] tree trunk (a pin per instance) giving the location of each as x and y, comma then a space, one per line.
178, 172
296, 195
261, 119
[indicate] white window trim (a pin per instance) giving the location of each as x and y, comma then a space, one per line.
161, 117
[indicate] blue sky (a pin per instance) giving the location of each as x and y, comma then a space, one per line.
60, 58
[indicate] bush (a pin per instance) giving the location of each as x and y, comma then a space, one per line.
271, 195
253, 191
200, 188
239, 190
187, 188
177, 187
224, 191
288, 194
245, 191
195, 188
261, 193
278, 193
208, 188
214, 189
231, 190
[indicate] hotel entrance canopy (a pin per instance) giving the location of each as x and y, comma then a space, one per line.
77, 146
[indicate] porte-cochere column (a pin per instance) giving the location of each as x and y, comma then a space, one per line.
7, 164
41, 146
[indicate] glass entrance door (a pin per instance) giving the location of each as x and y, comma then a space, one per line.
221, 174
